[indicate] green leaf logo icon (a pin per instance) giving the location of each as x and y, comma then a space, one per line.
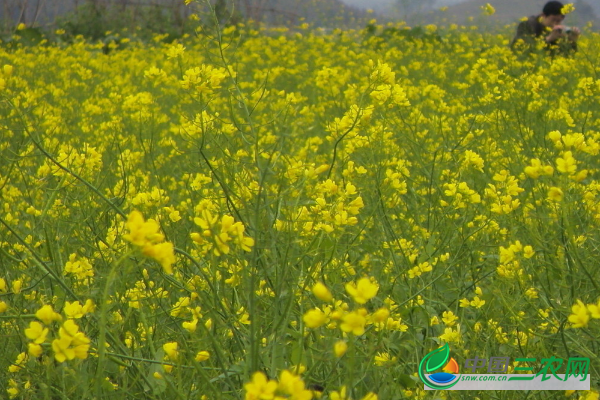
437, 358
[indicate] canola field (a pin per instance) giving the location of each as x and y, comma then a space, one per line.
287, 214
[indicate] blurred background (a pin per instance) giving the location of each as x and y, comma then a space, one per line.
171, 16
506, 10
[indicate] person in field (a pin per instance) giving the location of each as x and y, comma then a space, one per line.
547, 27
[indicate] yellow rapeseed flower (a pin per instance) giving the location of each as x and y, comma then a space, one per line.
340, 347
487, 9
46, 314
477, 302
142, 233
146, 236
567, 163
321, 292
339, 395
76, 310
34, 350
363, 290
202, 356
36, 332
314, 318
163, 253
567, 9
171, 351
190, 326
293, 385
450, 335
71, 343
380, 315
580, 315
449, 318
175, 50
260, 388
384, 358
19, 363
594, 310
555, 194
354, 322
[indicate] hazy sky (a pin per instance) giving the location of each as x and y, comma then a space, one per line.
382, 4
377, 4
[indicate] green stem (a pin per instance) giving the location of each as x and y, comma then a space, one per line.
103, 323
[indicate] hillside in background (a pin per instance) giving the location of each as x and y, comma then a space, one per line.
327, 13
507, 11
171, 16
387, 6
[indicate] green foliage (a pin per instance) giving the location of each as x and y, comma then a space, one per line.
26, 37
97, 21
391, 36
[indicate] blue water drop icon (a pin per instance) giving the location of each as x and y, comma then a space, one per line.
442, 377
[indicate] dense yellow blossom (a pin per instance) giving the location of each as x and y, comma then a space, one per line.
322, 202
260, 388
71, 343
363, 290
145, 235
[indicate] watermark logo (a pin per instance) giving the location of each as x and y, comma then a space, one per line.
439, 371
435, 360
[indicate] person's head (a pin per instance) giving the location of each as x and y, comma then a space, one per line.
552, 14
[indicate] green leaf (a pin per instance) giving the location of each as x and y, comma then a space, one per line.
156, 386
298, 355
406, 381
437, 358
234, 370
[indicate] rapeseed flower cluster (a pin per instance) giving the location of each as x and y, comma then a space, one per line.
289, 386
145, 235
218, 235
582, 313
52, 334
